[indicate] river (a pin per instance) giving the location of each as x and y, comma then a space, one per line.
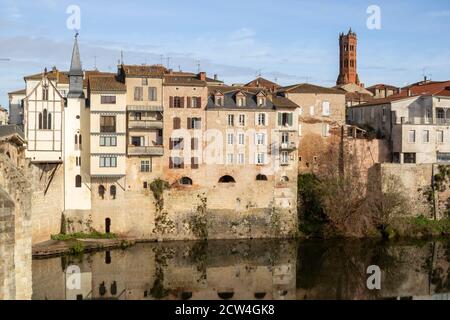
253, 269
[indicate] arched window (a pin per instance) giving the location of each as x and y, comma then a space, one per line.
186, 181
79, 139
261, 177
76, 139
186, 295
227, 179
112, 191
40, 120
284, 179
176, 123
225, 295
45, 119
101, 191
78, 181
49, 122
260, 295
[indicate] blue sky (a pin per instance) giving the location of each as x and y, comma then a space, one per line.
291, 41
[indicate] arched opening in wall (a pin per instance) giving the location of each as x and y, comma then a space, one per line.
284, 179
40, 120
78, 181
49, 122
102, 289
112, 191
114, 288
225, 295
261, 177
45, 119
101, 191
8, 154
186, 295
260, 295
107, 225
227, 179
185, 181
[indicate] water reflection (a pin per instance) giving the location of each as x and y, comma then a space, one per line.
258, 269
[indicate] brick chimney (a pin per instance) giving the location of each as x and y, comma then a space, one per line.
202, 76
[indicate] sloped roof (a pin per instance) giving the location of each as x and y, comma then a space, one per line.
309, 88
106, 83
152, 71
382, 86
282, 102
261, 82
21, 91
183, 79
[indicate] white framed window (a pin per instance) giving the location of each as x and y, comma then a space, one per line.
242, 120
241, 138
230, 138
230, 158
241, 101
260, 139
440, 136
230, 120
145, 166
412, 136
261, 119
325, 130
260, 158
261, 102
325, 108
241, 158
426, 136
108, 161
285, 137
284, 157
106, 141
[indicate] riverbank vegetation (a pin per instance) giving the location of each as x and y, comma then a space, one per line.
337, 200
83, 235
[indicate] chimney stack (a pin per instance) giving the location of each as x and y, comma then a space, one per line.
202, 76
215, 76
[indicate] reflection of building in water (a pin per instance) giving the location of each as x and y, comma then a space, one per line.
230, 270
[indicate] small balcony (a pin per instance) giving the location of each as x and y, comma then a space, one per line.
144, 108
288, 146
145, 124
145, 151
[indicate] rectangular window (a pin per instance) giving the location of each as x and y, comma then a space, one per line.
230, 158
412, 136
325, 130
178, 102
106, 141
242, 120
78, 161
194, 102
176, 163
260, 139
260, 158
284, 157
241, 138
108, 161
443, 157
440, 136
285, 119
241, 158
230, 120
145, 166
194, 163
325, 108
107, 124
137, 141
138, 94
409, 158
177, 143
144, 81
108, 99
137, 116
152, 94
426, 136
194, 144
230, 138
196, 123
261, 119
285, 137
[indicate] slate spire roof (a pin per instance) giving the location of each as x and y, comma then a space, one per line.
75, 66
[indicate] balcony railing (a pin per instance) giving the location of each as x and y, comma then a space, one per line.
288, 146
146, 151
145, 124
145, 108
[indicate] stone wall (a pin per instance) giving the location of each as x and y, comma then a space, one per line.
47, 202
15, 232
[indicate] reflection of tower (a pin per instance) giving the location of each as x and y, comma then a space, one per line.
348, 59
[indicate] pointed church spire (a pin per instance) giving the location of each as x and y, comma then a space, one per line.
75, 66
75, 73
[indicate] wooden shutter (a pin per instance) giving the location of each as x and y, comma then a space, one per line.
176, 123
182, 102
189, 102
171, 162
194, 143
290, 119
189, 123
199, 102
170, 102
170, 144
194, 163
280, 119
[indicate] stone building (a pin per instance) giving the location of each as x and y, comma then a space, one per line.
16, 107
414, 121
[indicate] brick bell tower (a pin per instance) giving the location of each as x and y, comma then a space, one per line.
348, 59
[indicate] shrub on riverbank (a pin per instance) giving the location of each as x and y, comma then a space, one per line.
417, 227
83, 235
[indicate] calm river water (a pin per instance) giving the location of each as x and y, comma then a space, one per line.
254, 269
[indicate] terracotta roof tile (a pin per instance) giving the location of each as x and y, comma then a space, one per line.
106, 83
309, 88
153, 71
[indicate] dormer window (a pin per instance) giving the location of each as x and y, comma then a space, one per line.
218, 100
261, 101
241, 101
